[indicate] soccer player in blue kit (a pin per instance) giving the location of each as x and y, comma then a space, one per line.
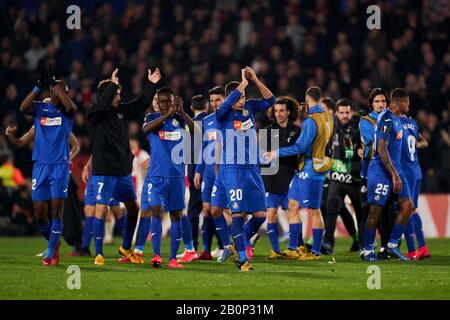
239, 180
205, 176
385, 176
306, 188
164, 186
412, 141
51, 153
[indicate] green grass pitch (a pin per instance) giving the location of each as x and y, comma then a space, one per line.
23, 277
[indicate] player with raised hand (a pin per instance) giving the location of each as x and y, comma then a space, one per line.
239, 179
51, 155
112, 157
385, 176
164, 185
306, 187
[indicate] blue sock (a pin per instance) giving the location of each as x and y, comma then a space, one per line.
237, 230
300, 236
369, 238
142, 233
251, 228
222, 230
54, 237
272, 232
129, 225
207, 233
120, 225
187, 233
87, 232
156, 229
418, 230
397, 231
409, 236
99, 232
317, 240
294, 231
45, 230
175, 239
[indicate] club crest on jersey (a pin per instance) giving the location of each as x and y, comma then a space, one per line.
212, 135
174, 122
245, 113
99, 197
377, 197
44, 121
235, 205
399, 135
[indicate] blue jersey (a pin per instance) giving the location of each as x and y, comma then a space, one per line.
409, 159
52, 131
240, 147
209, 130
303, 145
388, 128
162, 143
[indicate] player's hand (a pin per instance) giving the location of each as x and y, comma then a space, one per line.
145, 164
10, 130
172, 110
251, 73
114, 77
244, 79
269, 156
155, 76
398, 184
43, 78
51, 76
179, 104
197, 180
85, 174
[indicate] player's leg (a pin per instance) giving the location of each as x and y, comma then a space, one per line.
175, 238
156, 213
295, 223
89, 216
370, 231
335, 202
124, 192
109, 227
208, 226
103, 189
119, 215
272, 229
422, 251
40, 209
409, 232
194, 209
40, 194
356, 202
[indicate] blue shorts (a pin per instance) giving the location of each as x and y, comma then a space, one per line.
108, 187
207, 187
243, 189
379, 187
163, 191
50, 181
89, 196
274, 200
307, 192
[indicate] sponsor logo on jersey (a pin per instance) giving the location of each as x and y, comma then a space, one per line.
44, 121
239, 125
170, 135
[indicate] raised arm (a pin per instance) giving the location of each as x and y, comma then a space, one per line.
137, 106
97, 110
23, 141
75, 146
27, 104
186, 118
68, 104
153, 125
234, 96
